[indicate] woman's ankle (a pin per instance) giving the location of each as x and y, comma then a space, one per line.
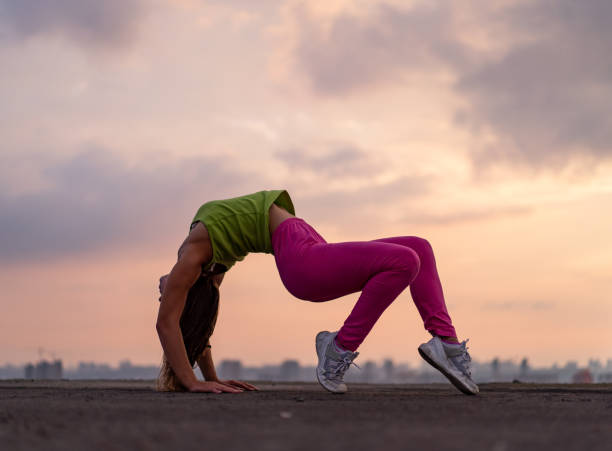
449, 339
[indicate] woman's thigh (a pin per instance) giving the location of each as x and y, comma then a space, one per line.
324, 271
416, 243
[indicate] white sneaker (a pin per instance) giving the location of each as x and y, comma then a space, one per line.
451, 360
332, 363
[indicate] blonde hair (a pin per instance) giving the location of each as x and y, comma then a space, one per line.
167, 380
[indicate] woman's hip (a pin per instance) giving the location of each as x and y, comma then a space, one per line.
293, 235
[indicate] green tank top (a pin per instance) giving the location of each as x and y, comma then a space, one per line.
240, 225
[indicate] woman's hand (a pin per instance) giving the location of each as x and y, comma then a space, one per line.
243, 385
212, 387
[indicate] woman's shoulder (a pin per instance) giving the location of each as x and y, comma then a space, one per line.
197, 244
198, 232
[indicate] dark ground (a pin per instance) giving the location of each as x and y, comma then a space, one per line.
282, 416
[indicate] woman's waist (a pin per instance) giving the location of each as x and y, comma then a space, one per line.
297, 232
277, 216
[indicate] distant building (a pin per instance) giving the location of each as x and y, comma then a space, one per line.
582, 377
495, 370
127, 370
29, 371
388, 370
604, 378
91, 370
9, 371
290, 370
44, 370
541, 376
369, 372
566, 373
404, 374
230, 369
524, 368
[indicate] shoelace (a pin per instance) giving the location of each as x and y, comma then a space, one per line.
463, 361
336, 372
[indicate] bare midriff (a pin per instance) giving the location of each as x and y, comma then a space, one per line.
278, 215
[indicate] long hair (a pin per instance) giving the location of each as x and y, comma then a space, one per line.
197, 325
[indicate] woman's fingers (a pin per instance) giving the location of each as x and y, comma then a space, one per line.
214, 387
228, 388
230, 384
241, 384
247, 386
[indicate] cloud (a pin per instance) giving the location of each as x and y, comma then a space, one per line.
363, 207
466, 216
519, 305
549, 99
357, 51
342, 161
96, 200
244, 4
58, 206
542, 86
348, 188
88, 23
352, 190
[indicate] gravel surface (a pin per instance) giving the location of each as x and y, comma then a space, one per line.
109, 415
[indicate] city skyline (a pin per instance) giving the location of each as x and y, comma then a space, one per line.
369, 371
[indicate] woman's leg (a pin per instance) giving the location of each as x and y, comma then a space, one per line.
426, 289
315, 270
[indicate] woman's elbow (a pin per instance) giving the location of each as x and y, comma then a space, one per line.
164, 324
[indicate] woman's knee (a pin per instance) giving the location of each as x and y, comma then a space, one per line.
423, 248
408, 261
421, 245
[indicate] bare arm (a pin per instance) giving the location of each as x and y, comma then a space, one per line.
207, 366
183, 275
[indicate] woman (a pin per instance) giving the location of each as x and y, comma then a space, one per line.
225, 231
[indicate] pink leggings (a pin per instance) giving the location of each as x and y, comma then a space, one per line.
314, 270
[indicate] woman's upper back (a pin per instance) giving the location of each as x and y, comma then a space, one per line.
240, 225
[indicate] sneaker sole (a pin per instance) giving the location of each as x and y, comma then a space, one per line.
318, 378
456, 382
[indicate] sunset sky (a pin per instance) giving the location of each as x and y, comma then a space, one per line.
484, 127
